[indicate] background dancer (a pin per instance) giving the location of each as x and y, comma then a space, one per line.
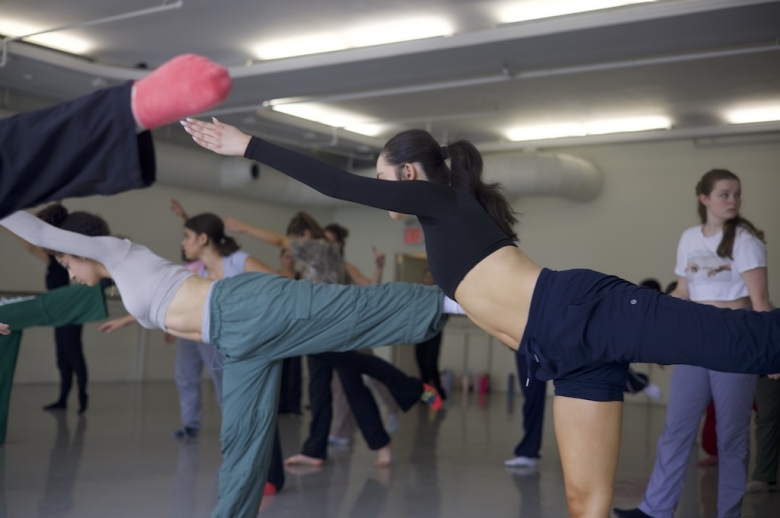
721, 263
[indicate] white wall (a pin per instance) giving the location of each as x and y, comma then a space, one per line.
630, 230
144, 217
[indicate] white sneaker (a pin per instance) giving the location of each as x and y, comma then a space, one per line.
757, 486
524, 462
654, 392
339, 441
392, 423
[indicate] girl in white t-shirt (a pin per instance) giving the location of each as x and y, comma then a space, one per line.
721, 262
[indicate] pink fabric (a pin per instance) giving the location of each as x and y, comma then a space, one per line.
184, 86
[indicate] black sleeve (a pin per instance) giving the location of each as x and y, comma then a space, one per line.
418, 198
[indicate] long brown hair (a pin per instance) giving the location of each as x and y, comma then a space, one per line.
705, 187
419, 146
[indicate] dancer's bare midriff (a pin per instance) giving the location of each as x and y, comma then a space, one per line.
184, 317
496, 294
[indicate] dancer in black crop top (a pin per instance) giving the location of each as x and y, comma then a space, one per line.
582, 327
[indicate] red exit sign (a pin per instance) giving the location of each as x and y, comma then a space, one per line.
413, 235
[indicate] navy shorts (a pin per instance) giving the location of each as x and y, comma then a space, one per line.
585, 328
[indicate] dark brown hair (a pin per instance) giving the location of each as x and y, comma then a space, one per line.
705, 187
214, 228
79, 222
418, 146
302, 222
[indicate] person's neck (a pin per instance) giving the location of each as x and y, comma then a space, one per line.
211, 259
712, 226
288, 272
104, 271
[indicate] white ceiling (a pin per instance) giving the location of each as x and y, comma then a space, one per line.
545, 83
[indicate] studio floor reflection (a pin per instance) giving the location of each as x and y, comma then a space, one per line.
118, 461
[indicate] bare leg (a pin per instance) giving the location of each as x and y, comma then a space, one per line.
588, 435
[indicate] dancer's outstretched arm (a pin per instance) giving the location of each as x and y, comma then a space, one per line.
266, 236
102, 249
416, 198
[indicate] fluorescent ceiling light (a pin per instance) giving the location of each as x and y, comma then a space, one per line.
401, 30
328, 116
546, 131
751, 115
361, 36
55, 40
369, 129
301, 46
627, 125
599, 127
535, 9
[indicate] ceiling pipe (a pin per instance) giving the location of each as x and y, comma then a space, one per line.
520, 174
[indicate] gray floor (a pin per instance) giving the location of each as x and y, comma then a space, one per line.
118, 461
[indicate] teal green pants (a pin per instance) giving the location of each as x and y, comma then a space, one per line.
70, 305
257, 320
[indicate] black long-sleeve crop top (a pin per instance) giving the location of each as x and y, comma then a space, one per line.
459, 233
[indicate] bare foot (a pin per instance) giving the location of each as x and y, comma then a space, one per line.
4, 329
384, 457
300, 459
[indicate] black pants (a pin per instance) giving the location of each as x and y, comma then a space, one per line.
350, 367
290, 394
70, 360
276, 469
84, 147
427, 354
534, 393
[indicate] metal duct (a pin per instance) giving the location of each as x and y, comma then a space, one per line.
520, 174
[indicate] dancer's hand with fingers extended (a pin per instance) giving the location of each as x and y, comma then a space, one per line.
774, 376
4, 329
217, 137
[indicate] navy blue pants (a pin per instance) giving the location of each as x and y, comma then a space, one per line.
84, 147
584, 328
534, 393
70, 360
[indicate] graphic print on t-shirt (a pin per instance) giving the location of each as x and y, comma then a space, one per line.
703, 266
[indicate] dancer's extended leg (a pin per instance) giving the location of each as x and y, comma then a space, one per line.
249, 410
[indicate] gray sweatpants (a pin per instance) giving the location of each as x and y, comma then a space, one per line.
257, 320
191, 357
691, 390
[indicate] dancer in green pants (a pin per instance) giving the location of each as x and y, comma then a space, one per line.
70, 305
254, 319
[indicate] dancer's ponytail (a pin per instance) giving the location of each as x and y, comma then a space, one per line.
418, 146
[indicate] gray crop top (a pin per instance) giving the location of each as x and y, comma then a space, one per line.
146, 282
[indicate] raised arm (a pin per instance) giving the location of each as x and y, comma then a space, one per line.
232, 225
416, 197
103, 249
